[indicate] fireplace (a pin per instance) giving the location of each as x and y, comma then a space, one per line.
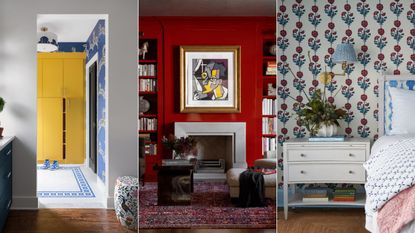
217, 140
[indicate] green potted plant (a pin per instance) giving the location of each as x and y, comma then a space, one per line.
2, 103
319, 116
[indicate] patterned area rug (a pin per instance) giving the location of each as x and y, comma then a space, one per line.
211, 208
67, 182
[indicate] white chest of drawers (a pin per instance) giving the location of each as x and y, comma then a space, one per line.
324, 162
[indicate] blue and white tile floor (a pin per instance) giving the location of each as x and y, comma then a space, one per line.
70, 186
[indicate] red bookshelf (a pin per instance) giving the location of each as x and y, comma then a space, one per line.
269, 98
152, 71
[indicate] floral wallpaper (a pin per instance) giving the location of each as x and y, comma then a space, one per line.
383, 34
96, 44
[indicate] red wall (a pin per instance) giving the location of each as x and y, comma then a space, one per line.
243, 31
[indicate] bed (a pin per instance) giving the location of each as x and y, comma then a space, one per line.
386, 151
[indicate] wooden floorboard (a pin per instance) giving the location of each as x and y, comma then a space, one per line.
62, 221
302, 220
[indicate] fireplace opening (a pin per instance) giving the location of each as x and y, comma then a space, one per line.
216, 141
214, 155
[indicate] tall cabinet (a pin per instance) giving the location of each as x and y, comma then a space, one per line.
61, 107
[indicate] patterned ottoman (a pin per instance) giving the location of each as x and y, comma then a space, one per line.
125, 201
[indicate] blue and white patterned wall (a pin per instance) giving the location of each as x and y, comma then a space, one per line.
96, 44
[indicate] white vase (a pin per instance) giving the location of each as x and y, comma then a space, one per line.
327, 130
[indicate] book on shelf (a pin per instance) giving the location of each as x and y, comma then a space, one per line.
272, 64
269, 125
315, 195
338, 138
271, 68
269, 106
351, 189
148, 124
315, 190
148, 85
344, 199
147, 69
344, 194
269, 145
312, 200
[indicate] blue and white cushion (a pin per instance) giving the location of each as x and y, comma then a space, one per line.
402, 84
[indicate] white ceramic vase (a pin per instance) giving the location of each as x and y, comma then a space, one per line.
327, 130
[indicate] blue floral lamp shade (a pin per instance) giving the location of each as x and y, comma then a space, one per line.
47, 41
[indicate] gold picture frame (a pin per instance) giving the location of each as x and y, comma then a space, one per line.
210, 79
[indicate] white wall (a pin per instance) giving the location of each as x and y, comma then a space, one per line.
18, 85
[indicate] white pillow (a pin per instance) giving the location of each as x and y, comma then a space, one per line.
403, 111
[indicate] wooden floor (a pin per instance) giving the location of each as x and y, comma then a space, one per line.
102, 221
322, 221
63, 221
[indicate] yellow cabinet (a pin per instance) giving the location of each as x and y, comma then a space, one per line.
74, 84
61, 107
50, 128
61, 75
75, 131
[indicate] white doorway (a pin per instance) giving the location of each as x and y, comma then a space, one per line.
77, 184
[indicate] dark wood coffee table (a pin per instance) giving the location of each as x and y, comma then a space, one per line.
175, 184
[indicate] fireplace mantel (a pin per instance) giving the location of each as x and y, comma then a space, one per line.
237, 130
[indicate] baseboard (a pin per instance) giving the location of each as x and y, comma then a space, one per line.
110, 203
24, 203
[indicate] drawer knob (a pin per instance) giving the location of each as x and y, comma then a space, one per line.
302, 172
351, 172
302, 155
351, 155
8, 175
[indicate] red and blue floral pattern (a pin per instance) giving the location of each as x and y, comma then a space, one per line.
383, 35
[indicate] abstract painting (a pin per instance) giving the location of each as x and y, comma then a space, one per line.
209, 79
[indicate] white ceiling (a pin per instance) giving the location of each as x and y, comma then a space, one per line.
207, 7
69, 27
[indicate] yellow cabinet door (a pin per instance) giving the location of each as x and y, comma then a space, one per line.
51, 129
73, 78
39, 78
40, 155
52, 78
75, 131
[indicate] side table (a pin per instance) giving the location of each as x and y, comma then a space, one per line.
175, 184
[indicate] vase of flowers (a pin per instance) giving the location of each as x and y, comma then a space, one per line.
319, 116
182, 147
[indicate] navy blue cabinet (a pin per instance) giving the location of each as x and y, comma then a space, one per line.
5, 179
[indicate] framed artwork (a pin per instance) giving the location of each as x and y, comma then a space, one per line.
210, 79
